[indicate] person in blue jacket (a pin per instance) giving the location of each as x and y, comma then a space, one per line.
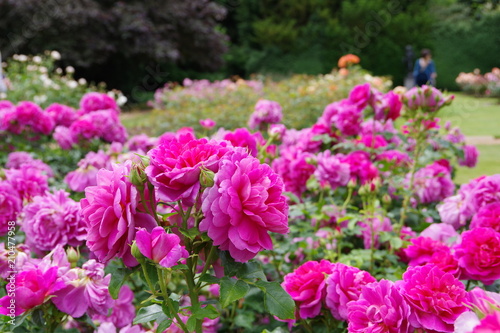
424, 71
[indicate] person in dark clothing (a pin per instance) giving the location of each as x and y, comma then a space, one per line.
424, 71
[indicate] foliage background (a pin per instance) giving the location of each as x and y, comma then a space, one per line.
137, 46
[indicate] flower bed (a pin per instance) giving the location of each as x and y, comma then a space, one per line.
480, 85
350, 224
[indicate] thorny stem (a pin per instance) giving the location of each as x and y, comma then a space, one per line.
162, 279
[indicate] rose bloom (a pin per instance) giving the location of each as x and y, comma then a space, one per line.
63, 137
483, 191
371, 141
95, 101
331, 170
487, 216
63, 115
51, 220
241, 137
432, 183
380, 308
32, 288
450, 211
436, 298
307, 287
362, 169
348, 120
266, 112
479, 254
471, 155
344, 285
28, 181
371, 228
294, 169
489, 324
360, 95
112, 212
10, 205
86, 291
162, 248
207, 123
175, 166
396, 157
141, 143
86, 173
245, 203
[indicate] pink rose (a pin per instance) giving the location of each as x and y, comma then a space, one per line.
307, 287
479, 254
244, 204
176, 164
344, 285
112, 212
380, 308
162, 248
435, 297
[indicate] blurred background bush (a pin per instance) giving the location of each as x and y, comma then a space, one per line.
138, 46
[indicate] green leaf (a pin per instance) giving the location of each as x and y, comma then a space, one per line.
150, 313
276, 300
190, 233
245, 320
231, 267
209, 279
191, 324
232, 290
206, 312
251, 270
164, 325
118, 277
152, 273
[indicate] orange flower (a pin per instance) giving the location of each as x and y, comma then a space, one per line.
347, 60
343, 71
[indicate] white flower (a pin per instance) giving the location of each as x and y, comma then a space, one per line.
121, 100
55, 55
82, 81
37, 59
70, 69
39, 99
43, 70
3, 95
15, 56
22, 58
72, 84
32, 68
59, 71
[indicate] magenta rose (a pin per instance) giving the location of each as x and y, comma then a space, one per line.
435, 297
62, 115
360, 95
433, 183
479, 254
112, 212
471, 155
86, 291
241, 137
32, 288
29, 181
380, 308
488, 216
344, 285
294, 169
266, 112
162, 248
51, 220
10, 205
95, 101
245, 203
348, 119
207, 123
362, 169
483, 191
307, 287
489, 324
176, 164
331, 170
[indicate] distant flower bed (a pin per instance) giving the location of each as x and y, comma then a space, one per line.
480, 85
230, 102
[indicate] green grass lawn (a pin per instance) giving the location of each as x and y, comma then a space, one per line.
489, 164
474, 116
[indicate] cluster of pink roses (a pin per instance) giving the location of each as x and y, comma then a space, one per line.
97, 118
426, 298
